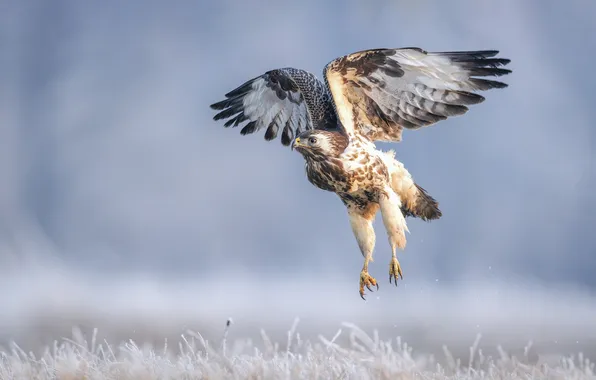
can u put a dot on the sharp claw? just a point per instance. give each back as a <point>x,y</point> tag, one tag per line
<point>367,281</point>
<point>395,272</point>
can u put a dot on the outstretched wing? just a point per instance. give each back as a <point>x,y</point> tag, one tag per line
<point>287,99</point>
<point>379,92</point>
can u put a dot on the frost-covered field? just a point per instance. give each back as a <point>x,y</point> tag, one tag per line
<point>362,357</point>
<point>57,323</point>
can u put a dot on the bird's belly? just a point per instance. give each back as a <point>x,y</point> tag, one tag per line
<point>368,177</point>
<point>360,199</point>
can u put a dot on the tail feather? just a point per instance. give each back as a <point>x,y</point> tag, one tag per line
<point>421,205</point>
<point>416,202</point>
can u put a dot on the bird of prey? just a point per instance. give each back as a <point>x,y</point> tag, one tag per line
<point>366,96</point>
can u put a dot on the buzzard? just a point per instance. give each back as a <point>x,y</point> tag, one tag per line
<point>366,96</point>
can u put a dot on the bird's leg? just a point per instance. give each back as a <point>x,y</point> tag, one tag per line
<point>394,268</point>
<point>395,223</point>
<point>361,222</point>
<point>366,279</point>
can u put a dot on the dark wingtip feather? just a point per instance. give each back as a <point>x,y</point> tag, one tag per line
<point>494,62</point>
<point>240,118</point>
<point>219,105</point>
<point>287,135</point>
<point>484,63</point>
<point>271,132</point>
<point>489,71</point>
<point>455,110</point>
<point>480,62</point>
<point>485,84</point>
<point>469,98</point>
<point>463,55</point>
<point>285,141</point>
<point>249,128</point>
<point>226,113</point>
<point>241,90</point>
<point>236,120</point>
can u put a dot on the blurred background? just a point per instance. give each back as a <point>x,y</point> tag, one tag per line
<point>124,206</point>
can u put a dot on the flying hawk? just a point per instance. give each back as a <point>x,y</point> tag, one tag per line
<point>366,96</point>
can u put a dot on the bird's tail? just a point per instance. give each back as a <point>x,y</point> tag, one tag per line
<point>421,205</point>
<point>415,200</point>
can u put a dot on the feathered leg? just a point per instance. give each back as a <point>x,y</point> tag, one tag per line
<point>395,223</point>
<point>361,222</point>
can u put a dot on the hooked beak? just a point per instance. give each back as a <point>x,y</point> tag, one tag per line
<point>295,143</point>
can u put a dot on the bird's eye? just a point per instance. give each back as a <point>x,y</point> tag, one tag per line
<point>312,140</point>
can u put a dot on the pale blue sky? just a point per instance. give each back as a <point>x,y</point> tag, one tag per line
<point>109,154</point>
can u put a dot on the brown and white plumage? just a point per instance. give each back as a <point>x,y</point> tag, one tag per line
<point>388,90</point>
<point>367,96</point>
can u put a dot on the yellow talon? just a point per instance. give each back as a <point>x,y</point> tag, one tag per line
<point>395,270</point>
<point>367,280</point>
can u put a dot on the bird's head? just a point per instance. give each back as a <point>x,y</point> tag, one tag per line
<point>318,143</point>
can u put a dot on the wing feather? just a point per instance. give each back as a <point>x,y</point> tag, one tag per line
<point>378,92</point>
<point>287,99</point>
